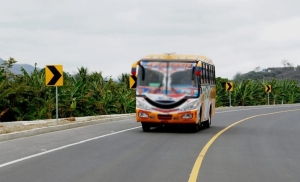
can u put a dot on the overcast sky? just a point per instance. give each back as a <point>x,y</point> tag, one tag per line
<point>108,36</point>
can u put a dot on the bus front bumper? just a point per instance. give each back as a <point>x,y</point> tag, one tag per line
<point>185,117</point>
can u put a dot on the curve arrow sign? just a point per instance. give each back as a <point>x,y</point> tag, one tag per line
<point>268,88</point>
<point>229,86</point>
<point>56,75</point>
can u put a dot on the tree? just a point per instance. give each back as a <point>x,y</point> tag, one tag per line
<point>257,69</point>
<point>286,63</point>
<point>238,76</point>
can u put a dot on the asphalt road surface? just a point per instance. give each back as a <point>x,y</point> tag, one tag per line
<point>255,144</point>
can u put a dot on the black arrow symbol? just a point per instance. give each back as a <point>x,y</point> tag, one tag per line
<point>229,86</point>
<point>268,88</point>
<point>134,78</point>
<point>56,74</point>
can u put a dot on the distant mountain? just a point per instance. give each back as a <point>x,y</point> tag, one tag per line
<point>292,73</point>
<point>16,69</point>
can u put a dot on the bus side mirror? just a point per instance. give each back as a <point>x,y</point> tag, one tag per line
<point>133,72</point>
<point>198,71</point>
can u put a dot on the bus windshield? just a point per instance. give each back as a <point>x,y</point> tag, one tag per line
<point>167,78</point>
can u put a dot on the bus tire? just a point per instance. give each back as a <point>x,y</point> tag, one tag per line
<point>200,120</point>
<point>198,126</point>
<point>146,127</point>
<point>207,123</point>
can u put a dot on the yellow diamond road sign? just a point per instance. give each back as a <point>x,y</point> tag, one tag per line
<point>268,88</point>
<point>54,75</point>
<point>229,86</point>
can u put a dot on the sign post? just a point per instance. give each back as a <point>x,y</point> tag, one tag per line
<point>268,89</point>
<point>54,77</point>
<point>229,99</point>
<point>229,88</point>
<point>56,103</point>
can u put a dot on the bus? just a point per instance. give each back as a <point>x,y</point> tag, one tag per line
<point>174,89</point>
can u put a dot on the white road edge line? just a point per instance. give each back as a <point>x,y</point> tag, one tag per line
<point>255,108</point>
<point>76,128</point>
<point>63,147</point>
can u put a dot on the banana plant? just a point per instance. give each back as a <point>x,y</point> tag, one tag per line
<point>26,97</point>
<point>245,93</point>
<point>222,96</point>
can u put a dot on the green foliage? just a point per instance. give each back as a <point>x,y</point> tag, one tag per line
<point>222,96</point>
<point>251,92</point>
<point>25,96</point>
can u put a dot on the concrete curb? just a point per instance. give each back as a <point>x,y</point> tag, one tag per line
<point>77,124</point>
<point>77,119</point>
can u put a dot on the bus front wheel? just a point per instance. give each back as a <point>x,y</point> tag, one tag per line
<point>198,126</point>
<point>146,127</point>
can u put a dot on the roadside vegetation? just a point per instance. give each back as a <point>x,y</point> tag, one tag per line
<point>26,97</point>
<point>251,92</point>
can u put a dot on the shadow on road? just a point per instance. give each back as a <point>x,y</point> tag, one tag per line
<point>183,129</point>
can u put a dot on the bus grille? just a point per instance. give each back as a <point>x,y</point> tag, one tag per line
<point>164,117</point>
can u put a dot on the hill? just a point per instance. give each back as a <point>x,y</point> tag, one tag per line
<point>291,73</point>
<point>16,69</point>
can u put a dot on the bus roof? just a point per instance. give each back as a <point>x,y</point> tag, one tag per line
<point>179,57</point>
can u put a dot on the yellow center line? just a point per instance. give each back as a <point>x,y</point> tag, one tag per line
<point>197,165</point>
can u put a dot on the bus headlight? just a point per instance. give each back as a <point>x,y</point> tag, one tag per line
<point>191,106</point>
<point>141,105</point>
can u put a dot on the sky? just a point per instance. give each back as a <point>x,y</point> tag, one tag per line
<point>108,36</point>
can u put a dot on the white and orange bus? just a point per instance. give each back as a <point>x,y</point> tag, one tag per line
<point>174,89</point>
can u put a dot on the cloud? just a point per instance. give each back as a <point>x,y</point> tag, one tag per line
<point>286,31</point>
<point>129,16</point>
<point>110,35</point>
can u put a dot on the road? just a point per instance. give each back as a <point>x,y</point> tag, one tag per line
<point>262,148</point>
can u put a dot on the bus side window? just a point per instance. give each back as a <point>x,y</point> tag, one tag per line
<point>209,74</point>
<point>206,75</point>
<point>213,74</point>
<point>204,72</point>
<point>199,79</point>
